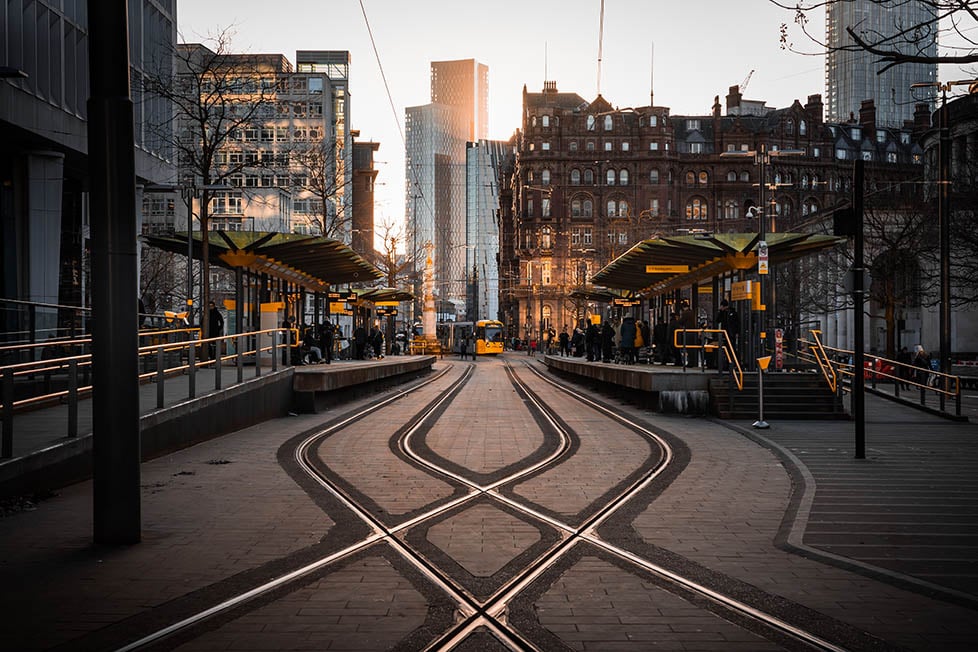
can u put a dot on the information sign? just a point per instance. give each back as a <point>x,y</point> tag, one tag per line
<point>762,261</point>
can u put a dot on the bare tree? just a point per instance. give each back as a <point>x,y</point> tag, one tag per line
<point>952,22</point>
<point>217,96</point>
<point>319,179</point>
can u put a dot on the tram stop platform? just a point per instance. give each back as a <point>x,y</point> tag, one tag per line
<point>46,456</point>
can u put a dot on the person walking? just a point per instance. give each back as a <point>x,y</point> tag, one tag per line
<point>215,326</point>
<point>627,333</point>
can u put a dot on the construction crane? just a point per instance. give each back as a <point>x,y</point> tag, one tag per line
<point>743,84</point>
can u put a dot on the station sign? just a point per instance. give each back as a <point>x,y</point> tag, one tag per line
<point>383,311</point>
<point>741,290</point>
<point>666,269</point>
<point>762,257</point>
<point>625,302</point>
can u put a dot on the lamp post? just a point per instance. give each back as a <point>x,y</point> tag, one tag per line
<point>944,217</point>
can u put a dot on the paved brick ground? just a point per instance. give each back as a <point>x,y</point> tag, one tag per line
<point>787,520</point>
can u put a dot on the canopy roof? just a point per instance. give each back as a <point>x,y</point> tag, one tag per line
<point>668,263</point>
<point>599,294</point>
<point>311,261</point>
<point>384,294</point>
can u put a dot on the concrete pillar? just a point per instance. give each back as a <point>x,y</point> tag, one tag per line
<point>45,171</point>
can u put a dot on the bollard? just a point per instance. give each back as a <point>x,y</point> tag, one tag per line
<point>762,364</point>
<point>217,364</point>
<point>192,371</point>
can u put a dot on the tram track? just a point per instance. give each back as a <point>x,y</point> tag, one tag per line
<point>490,612</point>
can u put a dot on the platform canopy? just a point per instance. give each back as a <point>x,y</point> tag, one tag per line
<point>384,294</point>
<point>667,263</point>
<point>311,261</point>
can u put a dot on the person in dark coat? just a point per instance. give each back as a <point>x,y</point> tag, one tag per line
<point>564,340</point>
<point>905,371</point>
<point>592,342</point>
<point>727,320</point>
<point>627,342</point>
<point>215,326</point>
<point>326,340</point>
<point>607,341</point>
<point>359,342</point>
<point>687,320</point>
<point>672,352</point>
<point>577,342</point>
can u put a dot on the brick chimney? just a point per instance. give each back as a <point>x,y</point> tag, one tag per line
<point>733,100</point>
<point>921,120</point>
<point>815,108</point>
<point>867,116</point>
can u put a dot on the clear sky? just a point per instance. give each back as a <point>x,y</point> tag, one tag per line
<point>701,47</point>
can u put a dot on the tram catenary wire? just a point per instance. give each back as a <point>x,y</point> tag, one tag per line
<point>489,612</point>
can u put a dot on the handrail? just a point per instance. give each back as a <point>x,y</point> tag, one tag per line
<point>822,359</point>
<point>735,369</point>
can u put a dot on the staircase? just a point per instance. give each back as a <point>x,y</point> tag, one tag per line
<point>786,396</point>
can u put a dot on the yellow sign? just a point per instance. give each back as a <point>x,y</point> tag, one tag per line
<point>764,362</point>
<point>666,269</point>
<point>755,300</point>
<point>338,308</point>
<point>740,290</point>
<point>393,304</point>
<point>704,289</point>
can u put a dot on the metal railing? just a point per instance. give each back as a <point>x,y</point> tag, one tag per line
<point>706,342</point>
<point>66,379</point>
<point>837,365</point>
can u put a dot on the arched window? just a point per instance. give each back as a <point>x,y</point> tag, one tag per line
<point>588,208</point>
<point>607,123</point>
<point>611,208</point>
<point>545,177</point>
<point>611,177</point>
<point>589,146</point>
<point>533,121</point>
<point>690,178</point>
<point>809,206</point>
<point>731,210</point>
<point>573,146</point>
<point>623,177</point>
<point>745,176</point>
<point>545,120</point>
<point>696,209</point>
<point>590,123</point>
<point>704,178</point>
<point>804,181</point>
<point>575,208</point>
<point>623,208</point>
<point>588,178</point>
<point>789,127</point>
<point>802,128</point>
<point>546,238</point>
<point>575,177</point>
<point>731,176</point>
<point>653,176</point>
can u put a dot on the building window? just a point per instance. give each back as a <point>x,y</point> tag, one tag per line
<point>623,237</point>
<point>891,157</point>
<point>802,128</point>
<point>654,146</point>
<point>867,156</point>
<point>573,146</point>
<point>588,178</point>
<point>546,238</point>
<point>611,208</point>
<point>575,208</point>
<point>546,146</point>
<point>545,121</point>
<point>690,178</point>
<point>607,123</point>
<point>529,208</point>
<point>545,206</point>
<point>653,176</point>
<point>840,154</point>
<point>653,120</point>
<point>545,177</point>
<point>696,209</point>
<point>588,208</point>
<point>880,135</point>
<point>789,127</point>
<point>533,121</point>
<point>692,125</point>
<point>576,235</point>
<point>816,152</point>
<point>610,179</point>
<point>575,178</point>
<point>624,146</point>
<point>587,235</point>
<point>696,148</point>
<point>545,275</point>
<point>731,210</point>
<point>703,178</point>
<point>654,208</point>
<point>623,177</point>
<point>607,146</point>
<point>590,123</point>
<point>589,146</point>
<point>731,176</point>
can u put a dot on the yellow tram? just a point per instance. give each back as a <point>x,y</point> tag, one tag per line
<point>488,335</point>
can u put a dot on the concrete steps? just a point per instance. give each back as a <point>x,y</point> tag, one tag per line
<point>786,396</point>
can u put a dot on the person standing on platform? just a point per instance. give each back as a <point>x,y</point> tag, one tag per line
<point>359,342</point>
<point>687,320</point>
<point>564,340</point>
<point>727,320</point>
<point>215,326</point>
<point>326,340</point>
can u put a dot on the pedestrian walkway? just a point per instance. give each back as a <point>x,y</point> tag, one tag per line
<point>886,545</point>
